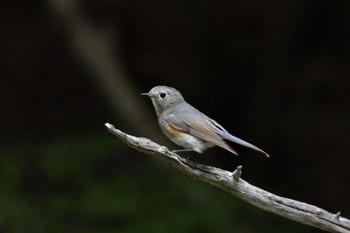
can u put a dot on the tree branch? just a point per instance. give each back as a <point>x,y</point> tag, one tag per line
<point>232,183</point>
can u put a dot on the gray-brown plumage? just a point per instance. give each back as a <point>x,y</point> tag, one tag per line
<point>187,126</point>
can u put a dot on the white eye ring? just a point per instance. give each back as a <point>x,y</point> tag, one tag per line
<point>162,95</point>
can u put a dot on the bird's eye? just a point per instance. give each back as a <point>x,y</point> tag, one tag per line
<point>162,95</point>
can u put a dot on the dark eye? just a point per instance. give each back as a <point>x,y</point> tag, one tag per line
<point>162,95</point>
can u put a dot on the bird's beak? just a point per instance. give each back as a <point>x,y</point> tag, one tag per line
<point>146,94</point>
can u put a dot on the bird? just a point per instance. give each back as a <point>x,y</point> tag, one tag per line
<point>188,127</point>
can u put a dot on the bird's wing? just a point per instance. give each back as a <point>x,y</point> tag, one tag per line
<point>205,130</point>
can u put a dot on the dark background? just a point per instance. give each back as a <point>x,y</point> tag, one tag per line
<point>273,73</point>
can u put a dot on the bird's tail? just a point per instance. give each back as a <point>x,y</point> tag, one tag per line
<point>241,142</point>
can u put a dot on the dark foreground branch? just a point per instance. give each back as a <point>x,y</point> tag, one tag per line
<point>232,183</point>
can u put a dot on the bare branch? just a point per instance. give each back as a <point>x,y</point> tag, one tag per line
<point>232,183</point>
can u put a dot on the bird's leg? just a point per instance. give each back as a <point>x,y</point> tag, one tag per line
<point>182,150</point>
<point>194,163</point>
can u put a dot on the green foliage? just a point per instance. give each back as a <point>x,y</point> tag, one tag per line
<point>90,185</point>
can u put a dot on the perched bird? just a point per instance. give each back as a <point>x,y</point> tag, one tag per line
<point>187,126</point>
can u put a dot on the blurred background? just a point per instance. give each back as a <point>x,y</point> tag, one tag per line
<point>273,73</point>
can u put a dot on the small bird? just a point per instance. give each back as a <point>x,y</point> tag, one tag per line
<point>187,126</point>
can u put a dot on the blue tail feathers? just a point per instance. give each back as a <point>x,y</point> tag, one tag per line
<point>228,136</point>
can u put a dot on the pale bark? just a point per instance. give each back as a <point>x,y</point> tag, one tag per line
<point>234,184</point>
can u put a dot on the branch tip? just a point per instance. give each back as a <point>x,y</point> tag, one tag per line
<point>109,126</point>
